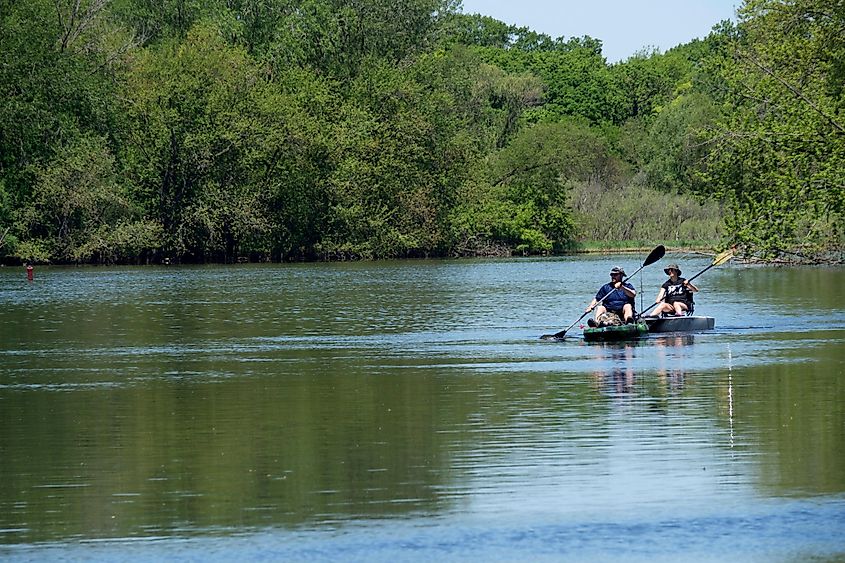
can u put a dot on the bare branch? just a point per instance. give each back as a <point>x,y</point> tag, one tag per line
<point>77,22</point>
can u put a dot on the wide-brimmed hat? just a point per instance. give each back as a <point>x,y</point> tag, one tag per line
<point>617,270</point>
<point>672,267</point>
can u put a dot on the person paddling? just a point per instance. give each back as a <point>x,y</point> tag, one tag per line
<point>618,298</point>
<point>675,296</point>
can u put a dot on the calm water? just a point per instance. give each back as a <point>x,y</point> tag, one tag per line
<point>408,411</point>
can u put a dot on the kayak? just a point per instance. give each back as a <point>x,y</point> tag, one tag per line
<point>679,324</point>
<point>617,332</point>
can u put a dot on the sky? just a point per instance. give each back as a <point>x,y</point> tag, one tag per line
<point>624,26</point>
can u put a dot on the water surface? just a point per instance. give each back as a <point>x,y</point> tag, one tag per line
<point>408,410</point>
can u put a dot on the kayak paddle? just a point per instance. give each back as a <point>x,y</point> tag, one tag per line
<point>718,260</point>
<point>653,257</point>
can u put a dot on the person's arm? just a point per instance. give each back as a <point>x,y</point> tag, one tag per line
<point>691,287</point>
<point>660,295</point>
<point>599,294</point>
<point>626,289</point>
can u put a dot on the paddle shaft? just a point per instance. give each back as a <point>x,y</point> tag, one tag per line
<point>717,261</point>
<point>600,301</point>
<point>653,305</point>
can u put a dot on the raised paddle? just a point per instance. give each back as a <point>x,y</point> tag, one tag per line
<point>653,257</point>
<point>718,260</point>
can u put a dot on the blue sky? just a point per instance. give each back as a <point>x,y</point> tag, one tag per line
<point>624,26</point>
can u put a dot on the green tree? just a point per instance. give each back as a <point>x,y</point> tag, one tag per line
<point>667,148</point>
<point>645,81</point>
<point>527,205</point>
<point>213,148</point>
<point>156,20</point>
<point>336,37</point>
<point>79,212</point>
<point>402,153</point>
<point>577,81</point>
<point>777,160</point>
<point>478,30</point>
<point>56,94</point>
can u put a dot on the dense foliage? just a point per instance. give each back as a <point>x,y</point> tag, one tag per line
<point>778,154</point>
<point>136,131</point>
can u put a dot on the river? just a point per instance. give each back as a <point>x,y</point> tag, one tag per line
<point>384,411</point>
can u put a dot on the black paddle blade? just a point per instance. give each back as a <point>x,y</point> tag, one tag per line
<point>556,337</point>
<point>559,335</point>
<point>655,255</point>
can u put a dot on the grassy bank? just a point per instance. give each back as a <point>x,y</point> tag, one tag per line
<point>637,217</point>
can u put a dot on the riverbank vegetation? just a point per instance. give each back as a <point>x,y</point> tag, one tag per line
<point>134,132</point>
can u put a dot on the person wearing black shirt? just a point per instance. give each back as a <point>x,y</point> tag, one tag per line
<point>675,296</point>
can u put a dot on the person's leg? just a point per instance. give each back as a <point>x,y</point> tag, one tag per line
<point>680,308</point>
<point>627,313</point>
<point>660,309</point>
<point>600,310</point>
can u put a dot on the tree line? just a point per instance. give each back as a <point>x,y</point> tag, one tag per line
<point>134,131</point>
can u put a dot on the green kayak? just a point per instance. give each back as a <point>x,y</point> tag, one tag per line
<point>620,332</point>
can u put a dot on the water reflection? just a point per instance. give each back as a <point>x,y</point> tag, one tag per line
<point>666,355</point>
<point>620,378</point>
<point>211,401</point>
<point>730,396</point>
<point>673,352</point>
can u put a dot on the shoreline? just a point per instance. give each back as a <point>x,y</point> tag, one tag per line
<point>787,258</point>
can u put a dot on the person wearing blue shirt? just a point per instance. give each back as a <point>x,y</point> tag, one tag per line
<point>618,298</point>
